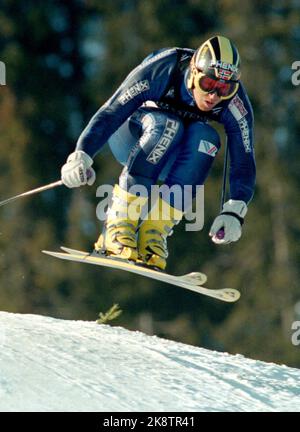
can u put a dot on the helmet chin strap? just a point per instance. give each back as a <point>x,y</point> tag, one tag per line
<point>190,81</point>
<point>192,73</point>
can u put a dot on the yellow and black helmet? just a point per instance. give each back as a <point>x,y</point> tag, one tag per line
<point>218,59</point>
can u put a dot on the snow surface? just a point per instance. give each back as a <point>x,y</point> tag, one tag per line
<point>48,364</point>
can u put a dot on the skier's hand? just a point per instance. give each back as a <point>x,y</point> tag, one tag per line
<point>227,227</point>
<point>78,171</point>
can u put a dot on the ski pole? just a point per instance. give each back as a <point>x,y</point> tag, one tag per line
<point>31,192</point>
<point>223,197</point>
<point>220,234</point>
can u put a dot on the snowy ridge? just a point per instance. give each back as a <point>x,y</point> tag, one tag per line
<point>48,364</point>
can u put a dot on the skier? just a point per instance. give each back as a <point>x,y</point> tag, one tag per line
<point>156,124</point>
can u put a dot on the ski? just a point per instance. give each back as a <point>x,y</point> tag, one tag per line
<point>194,278</point>
<point>224,294</point>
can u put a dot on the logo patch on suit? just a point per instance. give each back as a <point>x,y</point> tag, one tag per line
<point>134,91</point>
<point>239,112</point>
<point>208,148</point>
<point>164,142</point>
<point>237,108</point>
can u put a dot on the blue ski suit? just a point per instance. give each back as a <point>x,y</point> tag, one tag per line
<point>155,129</point>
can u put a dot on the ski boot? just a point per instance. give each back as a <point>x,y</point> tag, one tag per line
<point>153,233</point>
<point>118,238</point>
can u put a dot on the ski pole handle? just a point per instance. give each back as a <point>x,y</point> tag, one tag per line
<point>220,234</point>
<point>31,192</point>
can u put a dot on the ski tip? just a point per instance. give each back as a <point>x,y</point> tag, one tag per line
<point>48,252</point>
<point>230,295</point>
<point>54,254</point>
<point>194,278</point>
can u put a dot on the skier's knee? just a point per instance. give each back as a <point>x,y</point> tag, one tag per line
<point>206,133</point>
<point>167,128</point>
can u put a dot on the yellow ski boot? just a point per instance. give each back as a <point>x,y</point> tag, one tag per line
<point>153,233</point>
<point>119,233</point>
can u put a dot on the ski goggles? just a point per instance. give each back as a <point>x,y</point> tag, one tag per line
<point>224,89</point>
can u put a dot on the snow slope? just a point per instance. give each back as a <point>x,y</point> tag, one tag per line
<point>48,364</point>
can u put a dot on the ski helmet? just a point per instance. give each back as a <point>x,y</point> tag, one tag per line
<point>215,67</point>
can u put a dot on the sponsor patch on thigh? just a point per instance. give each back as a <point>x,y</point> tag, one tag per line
<point>164,142</point>
<point>208,148</point>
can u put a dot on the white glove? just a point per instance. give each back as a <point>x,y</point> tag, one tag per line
<point>227,227</point>
<point>77,170</point>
